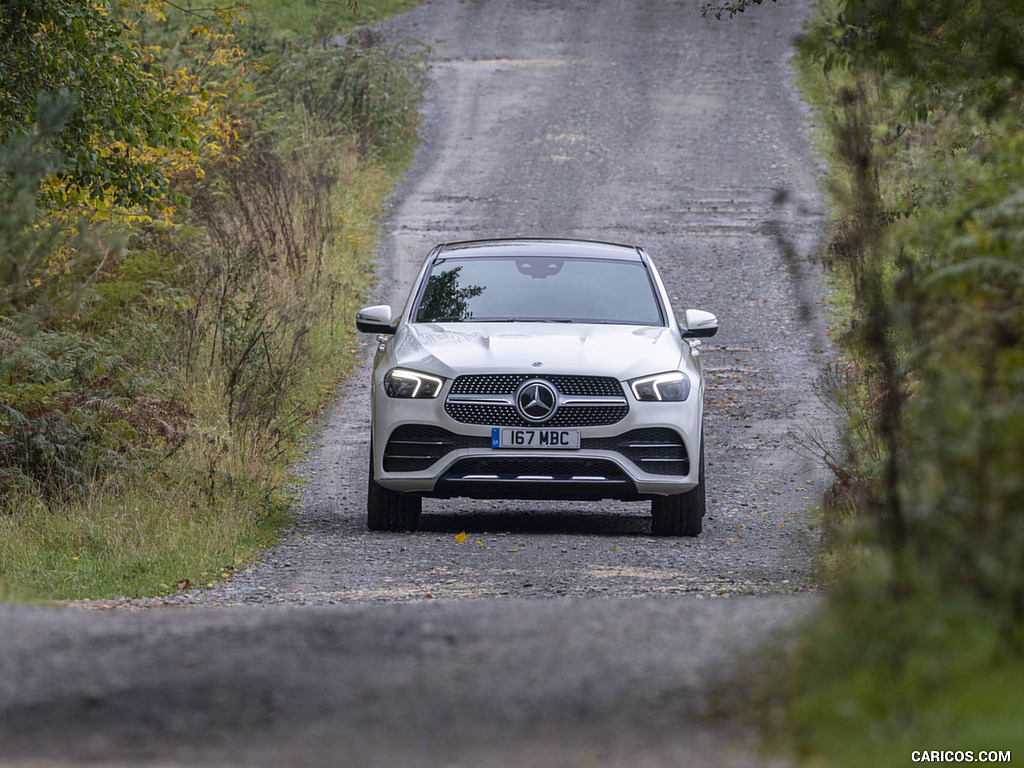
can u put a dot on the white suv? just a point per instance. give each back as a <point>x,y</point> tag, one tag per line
<point>537,369</point>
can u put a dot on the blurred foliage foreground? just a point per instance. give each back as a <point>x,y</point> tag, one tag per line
<point>187,215</point>
<point>920,105</point>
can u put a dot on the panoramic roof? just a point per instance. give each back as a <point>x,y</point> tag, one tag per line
<point>553,247</point>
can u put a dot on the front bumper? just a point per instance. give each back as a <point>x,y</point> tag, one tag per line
<point>419,448</point>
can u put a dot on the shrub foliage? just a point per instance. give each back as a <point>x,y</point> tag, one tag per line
<point>929,196</point>
<point>175,255</point>
<point>921,104</point>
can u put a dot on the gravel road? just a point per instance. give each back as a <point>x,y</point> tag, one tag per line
<point>556,634</point>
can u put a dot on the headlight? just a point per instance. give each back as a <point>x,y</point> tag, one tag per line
<point>673,387</point>
<point>399,382</point>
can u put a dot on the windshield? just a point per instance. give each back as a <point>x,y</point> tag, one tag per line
<point>538,289</point>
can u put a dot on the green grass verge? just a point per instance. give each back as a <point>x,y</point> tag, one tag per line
<point>157,537</point>
<point>877,715</point>
<point>290,18</point>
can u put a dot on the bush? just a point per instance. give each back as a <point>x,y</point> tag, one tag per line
<point>158,376</point>
<point>366,86</point>
<point>75,411</point>
<point>926,539</point>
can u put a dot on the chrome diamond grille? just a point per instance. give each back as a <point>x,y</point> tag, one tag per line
<point>465,389</point>
<point>506,384</point>
<point>587,385</point>
<point>506,416</point>
<point>490,384</point>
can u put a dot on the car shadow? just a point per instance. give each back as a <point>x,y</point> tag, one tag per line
<point>595,524</point>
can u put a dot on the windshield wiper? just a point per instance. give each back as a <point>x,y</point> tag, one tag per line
<point>526,320</point>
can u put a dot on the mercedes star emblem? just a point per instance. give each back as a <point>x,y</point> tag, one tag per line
<point>536,400</point>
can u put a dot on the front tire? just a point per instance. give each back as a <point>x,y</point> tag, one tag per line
<point>683,513</point>
<point>388,510</point>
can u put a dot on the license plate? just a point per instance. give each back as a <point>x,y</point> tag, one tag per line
<point>503,437</point>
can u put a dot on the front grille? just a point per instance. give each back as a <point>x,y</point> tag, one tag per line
<point>507,416</point>
<point>414,447</point>
<point>657,450</point>
<point>587,385</point>
<point>506,384</point>
<point>488,384</point>
<point>504,414</point>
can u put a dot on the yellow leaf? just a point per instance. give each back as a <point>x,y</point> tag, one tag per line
<point>461,537</point>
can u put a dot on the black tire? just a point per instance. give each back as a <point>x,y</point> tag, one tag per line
<point>682,514</point>
<point>388,510</point>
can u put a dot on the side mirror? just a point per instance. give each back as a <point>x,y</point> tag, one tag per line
<point>376,319</point>
<point>698,324</point>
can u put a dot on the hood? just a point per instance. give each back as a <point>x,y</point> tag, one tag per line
<point>623,352</point>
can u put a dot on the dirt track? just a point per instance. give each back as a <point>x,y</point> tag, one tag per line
<point>621,121</point>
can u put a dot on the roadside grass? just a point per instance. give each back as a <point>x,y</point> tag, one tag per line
<point>874,697</point>
<point>332,331</point>
<point>979,713</point>
<point>289,18</point>
<point>242,321</point>
<point>160,535</point>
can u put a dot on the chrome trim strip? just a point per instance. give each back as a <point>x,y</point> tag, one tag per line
<point>585,400</point>
<point>595,400</point>
<point>508,400</point>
